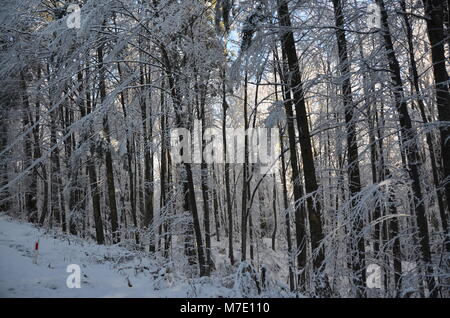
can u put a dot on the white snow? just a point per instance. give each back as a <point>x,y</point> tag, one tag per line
<point>105,270</point>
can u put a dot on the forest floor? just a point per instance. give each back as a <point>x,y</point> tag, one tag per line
<point>106,271</point>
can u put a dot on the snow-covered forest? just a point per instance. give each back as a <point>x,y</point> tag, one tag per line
<point>355,201</point>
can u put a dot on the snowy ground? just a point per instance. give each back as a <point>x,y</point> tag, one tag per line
<point>105,271</point>
<point>115,271</point>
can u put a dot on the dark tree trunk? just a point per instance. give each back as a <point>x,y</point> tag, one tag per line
<point>434,11</point>
<point>274,208</point>
<point>55,170</point>
<point>4,117</point>
<point>201,96</point>
<point>296,85</point>
<point>108,155</point>
<point>287,221</point>
<point>188,184</point>
<point>354,180</point>
<point>30,194</point>
<point>164,174</point>
<point>227,172</point>
<point>409,142</point>
<point>92,172</point>
<point>73,165</point>
<point>245,212</point>
<point>216,205</point>
<point>429,137</point>
<point>129,165</point>
<point>299,207</point>
<point>148,165</point>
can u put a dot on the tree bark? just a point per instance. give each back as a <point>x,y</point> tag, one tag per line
<point>311,186</point>
<point>429,137</point>
<point>227,171</point>
<point>108,155</point>
<point>408,137</point>
<point>354,180</point>
<point>434,11</point>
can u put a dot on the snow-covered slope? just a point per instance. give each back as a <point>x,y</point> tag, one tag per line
<point>105,271</point>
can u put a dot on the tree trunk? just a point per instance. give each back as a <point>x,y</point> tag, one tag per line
<point>216,205</point>
<point>295,84</point>
<point>108,155</point>
<point>188,184</point>
<point>299,207</point>
<point>354,180</point>
<point>274,208</point>
<point>148,165</point>
<point>227,172</point>
<point>205,179</point>
<point>434,11</point>
<point>92,172</point>
<point>429,137</point>
<point>408,138</point>
<point>129,165</point>
<point>245,212</point>
<point>30,194</point>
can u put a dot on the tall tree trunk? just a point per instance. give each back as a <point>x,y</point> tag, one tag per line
<point>4,127</point>
<point>296,85</point>
<point>392,225</point>
<point>31,188</point>
<point>201,96</point>
<point>274,208</point>
<point>129,165</point>
<point>245,212</point>
<point>227,170</point>
<point>188,184</point>
<point>287,221</point>
<point>108,155</point>
<point>55,172</point>
<point>72,166</point>
<point>354,180</point>
<point>299,207</point>
<point>216,205</point>
<point>429,137</point>
<point>164,173</point>
<point>409,141</point>
<point>148,164</point>
<point>434,11</point>
<point>92,172</point>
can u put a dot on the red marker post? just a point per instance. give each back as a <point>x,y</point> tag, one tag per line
<point>36,252</point>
